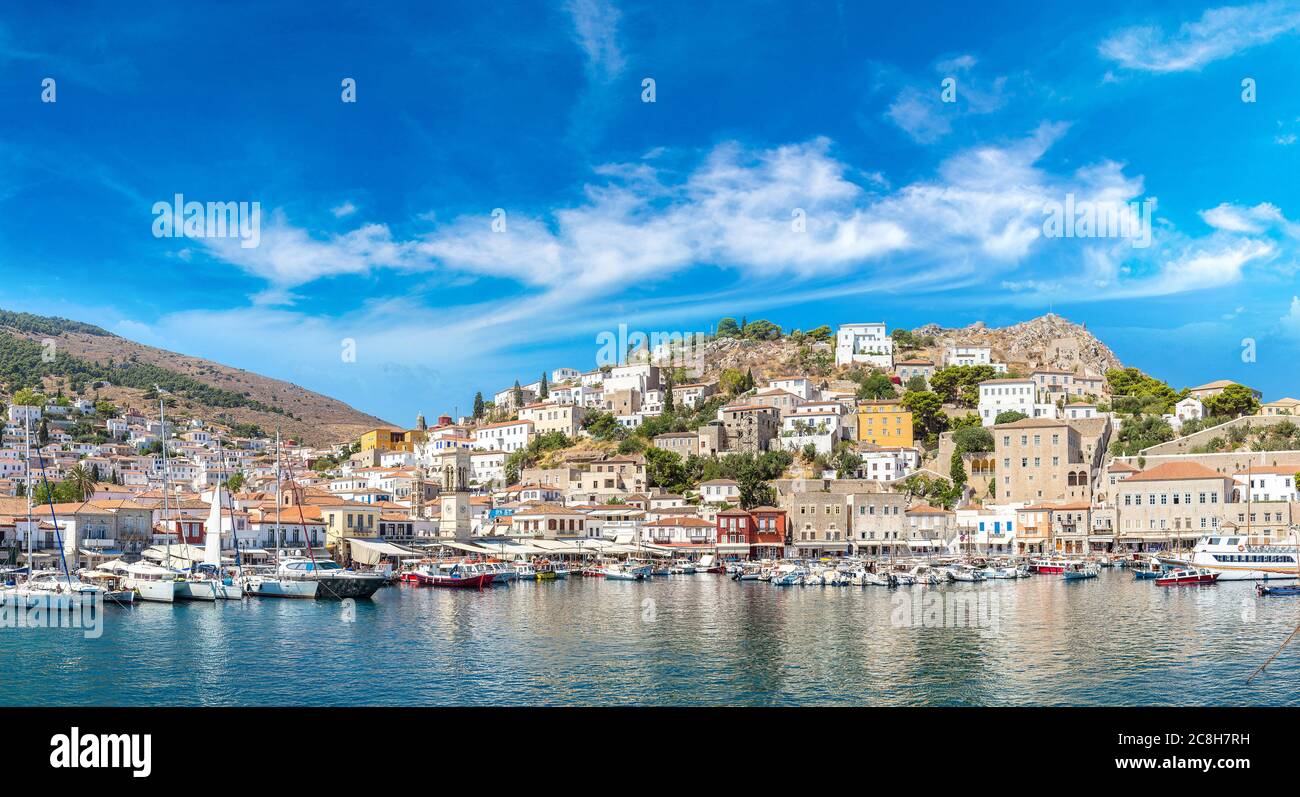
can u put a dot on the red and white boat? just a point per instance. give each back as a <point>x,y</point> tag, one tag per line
<point>1048,565</point>
<point>454,575</point>
<point>1187,575</point>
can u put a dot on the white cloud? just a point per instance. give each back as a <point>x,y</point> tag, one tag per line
<point>595,24</point>
<point>1254,220</point>
<point>1291,321</point>
<point>1219,33</point>
<point>920,111</point>
<point>346,209</point>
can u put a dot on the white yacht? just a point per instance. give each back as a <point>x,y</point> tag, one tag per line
<point>300,577</point>
<point>1239,557</point>
<point>151,582</point>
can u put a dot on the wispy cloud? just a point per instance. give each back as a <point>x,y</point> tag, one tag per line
<point>920,111</point>
<point>1219,33</point>
<point>595,25</point>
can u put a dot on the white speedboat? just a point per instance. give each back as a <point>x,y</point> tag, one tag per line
<point>682,568</point>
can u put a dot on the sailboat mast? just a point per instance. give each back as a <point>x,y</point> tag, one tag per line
<point>279,531</point>
<point>27,467</point>
<point>162,433</point>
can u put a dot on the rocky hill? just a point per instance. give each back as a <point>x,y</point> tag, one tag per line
<point>1048,341</point>
<point>87,361</point>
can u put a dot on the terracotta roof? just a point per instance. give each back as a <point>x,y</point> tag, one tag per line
<point>925,509</point>
<point>1174,471</point>
<point>1122,467</point>
<point>682,521</point>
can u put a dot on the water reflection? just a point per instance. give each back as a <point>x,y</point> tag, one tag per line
<point>682,640</point>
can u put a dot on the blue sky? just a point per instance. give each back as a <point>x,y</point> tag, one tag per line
<point>377,215</point>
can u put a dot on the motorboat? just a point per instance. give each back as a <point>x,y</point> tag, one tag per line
<point>682,567</point>
<point>788,575</point>
<point>302,577</point>
<point>622,572</point>
<point>1245,558</point>
<point>1080,570</point>
<point>524,571</point>
<point>1277,589</point>
<point>966,573</point>
<point>1184,576</point>
<point>1049,565</point>
<point>1147,569</point>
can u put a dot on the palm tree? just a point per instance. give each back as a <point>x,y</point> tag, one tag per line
<point>83,481</point>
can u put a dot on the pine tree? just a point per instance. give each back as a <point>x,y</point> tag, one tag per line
<point>518,395</point>
<point>749,379</point>
<point>668,393</point>
<point>478,406</point>
<point>545,389</point>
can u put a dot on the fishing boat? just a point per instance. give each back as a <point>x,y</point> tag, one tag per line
<point>1184,576</point>
<point>682,567</point>
<point>524,571</point>
<point>924,574</point>
<point>544,571</point>
<point>747,573</point>
<point>622,572</point>
<point>709,564</point>
<point>967,573</point>
<point>1146,569</point>
<point>1277,589</point>
<point>325,579</point>
<point>1081,570</point>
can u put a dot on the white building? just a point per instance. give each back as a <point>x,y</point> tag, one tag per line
<point>868,344</point>
<point>801,386</point>
<point>504,436</point>
<point>633,376</point>
<point>487,468</point>
<point>1011,395</point>
<point>720,491</point>
<point>1266,483</point>
<point>988,529</point>
<point>822,429</point>
<point>1079,412</point>
<point>888,463</point>
<point>565,374</point>
<point>1189,409</point>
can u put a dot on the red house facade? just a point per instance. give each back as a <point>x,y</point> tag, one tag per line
<point>757,533</point>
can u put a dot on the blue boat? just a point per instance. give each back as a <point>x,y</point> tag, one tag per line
<point>1148,569</point>
<point>1281,589</point>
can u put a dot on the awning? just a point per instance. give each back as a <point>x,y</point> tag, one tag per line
<point>369,551</point>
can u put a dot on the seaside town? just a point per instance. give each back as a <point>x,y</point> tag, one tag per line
<point>893,459</point>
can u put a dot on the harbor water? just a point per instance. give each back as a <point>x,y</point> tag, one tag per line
<point>680,640</point>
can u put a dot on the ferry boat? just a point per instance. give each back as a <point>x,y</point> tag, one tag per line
<point>1187,575</point>
<point>1243,558</point>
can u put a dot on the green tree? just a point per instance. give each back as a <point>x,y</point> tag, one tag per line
<point>762,330</point>
<point>957,470</point>
<point>478,406</point>
<point>517,395</point>
<point>668,392</point>
<point>821,334</point>
<point>732,382</point>
<point>1139,433</point>
<point>1233,401</point>
<point>235,482</point>
<point>969,439</point>
<point>1009,416</point>
<point>665,469</point>
<point>545,389</point>
<point>728,328</point>
<point>876,387</point>
<point>928,418</point>
<point>82,482</point>
<point>917,384</point>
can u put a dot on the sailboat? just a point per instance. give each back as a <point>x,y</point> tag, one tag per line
<point>205,581</point>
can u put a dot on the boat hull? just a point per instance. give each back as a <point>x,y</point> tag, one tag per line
<point>209,590</point>
<point>155,591</point>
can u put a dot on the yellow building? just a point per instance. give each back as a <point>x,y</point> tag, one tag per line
<point>349,519</point>
<point>392,439</point>
<point>884,423</point>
